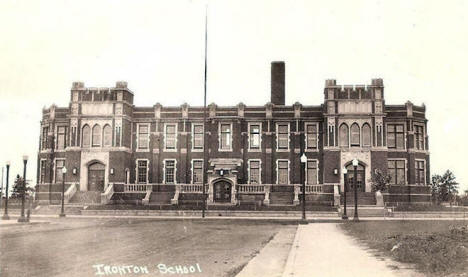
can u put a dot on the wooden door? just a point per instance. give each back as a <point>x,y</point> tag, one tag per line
<point>222,191</point>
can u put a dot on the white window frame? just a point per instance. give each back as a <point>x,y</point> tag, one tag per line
<point>193,137</point>
<point>138,146</point>
<point>40,170</point>
<point>175,137</point>
<point>416,169</point>
<point>175,171</point>
<point>307,149</point>
<point>192,170</point>
<point>147,170</point>
<point>259,170</point>
<point>404,135</point>
<point>362,135</point>
<point>423,136</point>
<point>277,136</point>
<point>64,138</point>
<point>259,149</point>
<point>277,170</point>
<point>406,168</point>
<point>230,139</point>
<point>55,167</point>
<point>305,170</point>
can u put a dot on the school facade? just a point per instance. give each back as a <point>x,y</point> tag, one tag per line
<point>116,152</point>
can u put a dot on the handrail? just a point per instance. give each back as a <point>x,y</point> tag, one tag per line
<point>69,193</point>
<point>251,188</point>
<point>107,194</point>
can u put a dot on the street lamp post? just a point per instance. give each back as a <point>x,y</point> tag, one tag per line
<point>355,165</point>
<point>345,175</point>
<point>64,171</point>
<point>5,215</point>
<point>303,166</point>
<point>22,217</point>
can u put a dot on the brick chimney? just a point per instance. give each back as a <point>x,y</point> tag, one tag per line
<point>277,83</point>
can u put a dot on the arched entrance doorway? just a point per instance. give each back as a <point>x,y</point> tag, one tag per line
<point>96,173</point>
<point>360,180</point>
<point>222,191</point>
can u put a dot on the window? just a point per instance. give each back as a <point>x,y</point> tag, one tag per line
<point>96,139</point>
<point>355,135</point>
<point>254,172</point>
<point>311,172</point>
<point>420,173</point>
<point>344,135</point>
<point>254,136</point>
<point>311,136</point>
<point>73,136</point>
<point>169,172</point>
<point>419,136</point>
<point>396,170</point>
<point>395,136</point>
<point>107,131</point>
<point>85,137</point>
<point>61,137</point>
<point>45,134</point>
<point>197,136</point>
<point>59,164</point>
<point>366,135</point>
<point>43,172</point>
<point>283,136</point>
<point>283,172</point>
<point>197,171</point>
<point>170,136</point>
<point>225,143</point>
<point>142,171</point>
<point>117,136</point>
<point>143,136</point>
<point>331,135</point>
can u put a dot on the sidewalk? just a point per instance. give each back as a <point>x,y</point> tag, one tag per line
<point>323,250</point>
<point>272,258</point>
<point>14,221</point>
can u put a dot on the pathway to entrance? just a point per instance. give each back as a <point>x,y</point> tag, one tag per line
<point>323,250</point>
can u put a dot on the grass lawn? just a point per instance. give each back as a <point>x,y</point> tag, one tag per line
<point>437,248</point>
<point>71,247</point>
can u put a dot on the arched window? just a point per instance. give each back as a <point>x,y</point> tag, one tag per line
<point>96,138</point>
<point>85,136</point>
<point>344,135</point>
<point>355,135</point>
<point>366,135</point>
<point>107,134</point>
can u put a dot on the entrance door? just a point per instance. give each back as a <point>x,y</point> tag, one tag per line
<point>96,177</point>
<point>360,181</point>
<point>222,191</point>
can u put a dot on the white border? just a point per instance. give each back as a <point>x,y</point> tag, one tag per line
<point>277,173</point>
<point>259,149</point>
<point>230,137</point>
<point>192,169</point>
<point>259,171</point>
<point>147,170</point>
<point>277,137</point>
<point>175,171</point>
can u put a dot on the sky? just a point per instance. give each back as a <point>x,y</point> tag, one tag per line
<point>417,47</point>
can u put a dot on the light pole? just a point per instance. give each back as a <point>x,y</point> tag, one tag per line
<point>5,215</point>
<point>355,165</point>
<point>64,171</point>
<point>345,189</point>
<point>22,218</point>
<point>303,164</point>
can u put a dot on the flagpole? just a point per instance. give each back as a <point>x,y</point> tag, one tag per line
<point>205,162</point>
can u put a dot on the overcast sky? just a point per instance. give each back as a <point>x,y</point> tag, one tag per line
<point>419,48</point>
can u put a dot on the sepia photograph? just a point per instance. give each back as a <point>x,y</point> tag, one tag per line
<point>276,138</point>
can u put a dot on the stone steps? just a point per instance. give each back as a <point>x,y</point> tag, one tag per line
<point>86,197</point>
<point>161,197</point>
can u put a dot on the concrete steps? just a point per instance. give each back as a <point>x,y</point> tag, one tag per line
<point>161,197</point>
<point>281,198</point>
<point>86,197</point>
<point>364,198</point>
